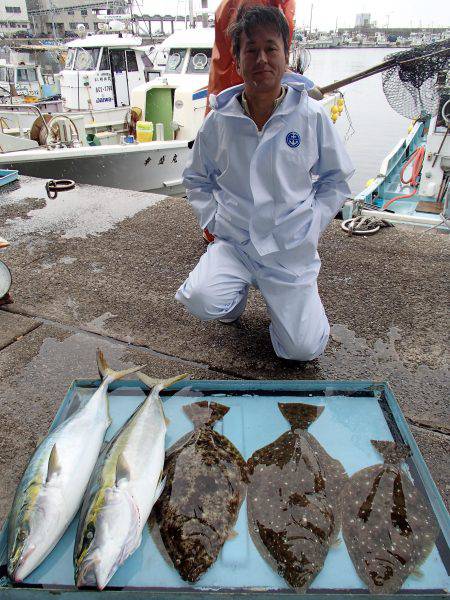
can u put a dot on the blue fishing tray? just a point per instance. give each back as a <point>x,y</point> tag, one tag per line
<point>355,413</point>
<point>8,175</point>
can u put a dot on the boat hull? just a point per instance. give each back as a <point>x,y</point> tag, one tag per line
<point>152,167</point>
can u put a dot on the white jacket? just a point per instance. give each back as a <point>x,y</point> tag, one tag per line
<point>278,188</point>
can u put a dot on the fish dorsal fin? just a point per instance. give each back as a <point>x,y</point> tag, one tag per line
<point>391,452</point>
<point>54,465</point>
<point>106,371</point>
<point>122,469</point>
<point>299,415</point>
<point>205,413</point>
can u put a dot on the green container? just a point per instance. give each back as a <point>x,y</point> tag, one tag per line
<point>159,109</point>
<point>92,139</point>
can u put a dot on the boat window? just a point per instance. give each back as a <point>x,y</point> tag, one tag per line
<point>70,58</point>
<point>104,63</point>
<point>32,75</point>
<point>22,75</point>
<point>10,73</point>
<point>86,59</point>
<point>175,60</point>
<point>132,61</point>
<point>2,74</point>
<point>199,60</point>
<point>118,63</point>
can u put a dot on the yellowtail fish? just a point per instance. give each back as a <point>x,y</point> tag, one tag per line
<point>124,486</point>
<point>53,484</point>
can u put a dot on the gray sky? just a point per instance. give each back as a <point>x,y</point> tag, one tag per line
<point>406,13</point>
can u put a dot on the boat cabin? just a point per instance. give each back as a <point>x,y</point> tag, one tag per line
<point>20,79</point>
<point>101,71</point>
<point>177,98</point>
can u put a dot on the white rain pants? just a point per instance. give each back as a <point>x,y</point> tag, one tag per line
<point>218,287</point>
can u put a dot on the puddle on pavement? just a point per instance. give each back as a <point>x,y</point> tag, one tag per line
<point>419,390</point>
<point>84,211</point>
<point>100,322</point>
<point>72,358</point>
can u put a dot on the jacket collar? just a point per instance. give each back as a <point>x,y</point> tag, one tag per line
<point>226,103</point>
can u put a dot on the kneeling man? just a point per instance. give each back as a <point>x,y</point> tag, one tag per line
<point>267,174</point>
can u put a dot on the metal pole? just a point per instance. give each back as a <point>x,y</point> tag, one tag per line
<point>205,13</point>
<point>310,19</point>
<point>191,13</point>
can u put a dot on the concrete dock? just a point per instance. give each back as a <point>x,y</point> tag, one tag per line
<point>99,267</point>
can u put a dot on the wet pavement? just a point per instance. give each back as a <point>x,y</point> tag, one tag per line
<point>99,267</point>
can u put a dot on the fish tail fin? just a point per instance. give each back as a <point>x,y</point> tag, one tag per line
<point>205,413</point>
<point>161,383</point>
<point>299,415</point>
<point>106,371</point>
<point>390,451</point>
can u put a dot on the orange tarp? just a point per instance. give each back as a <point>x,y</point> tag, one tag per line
<point>223,73</point>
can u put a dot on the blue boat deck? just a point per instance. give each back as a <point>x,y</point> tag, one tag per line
<point>387,185</point>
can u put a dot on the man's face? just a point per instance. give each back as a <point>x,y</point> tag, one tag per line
<point>262,60</point>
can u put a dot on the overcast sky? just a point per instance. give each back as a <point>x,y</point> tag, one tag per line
<point>406,13</point>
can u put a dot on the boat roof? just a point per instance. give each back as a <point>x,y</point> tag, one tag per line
<point>21,65</point>
<point>109,40</point>
<point>190,38</point>
<point>41,48</point>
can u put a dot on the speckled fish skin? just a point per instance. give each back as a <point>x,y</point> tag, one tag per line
<point>387,526</point>
<point>294,499</point>
<point>205,486</point>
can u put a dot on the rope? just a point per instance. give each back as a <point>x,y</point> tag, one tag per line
<point>417,159</point>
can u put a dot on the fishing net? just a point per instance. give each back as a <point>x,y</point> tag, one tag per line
<point>410,86</point>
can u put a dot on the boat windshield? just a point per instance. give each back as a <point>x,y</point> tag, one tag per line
<point>82,59</point>
<point>2,73</point>
<point>175,60</point>
<point>199,60</point>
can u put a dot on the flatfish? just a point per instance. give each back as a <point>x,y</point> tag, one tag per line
<point>387,527</point>
<point>205,486</point>
<point>294,499</point>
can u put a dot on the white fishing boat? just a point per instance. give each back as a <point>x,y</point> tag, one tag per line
<point>24,80</point>
<point>71,147</point>
<point>99,75</point>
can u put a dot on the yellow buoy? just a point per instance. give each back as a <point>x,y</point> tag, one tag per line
<point>340,102</point>
<point>334,109</point>
<point>369,182</point>
<point>410,128</point>
<point>334,117</point>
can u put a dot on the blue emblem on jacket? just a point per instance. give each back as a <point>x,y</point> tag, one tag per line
<point>293,139</point>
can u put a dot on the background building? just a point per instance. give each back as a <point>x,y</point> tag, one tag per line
<point>13,17</point>
<point>58,18</point>
<point>362,20</point>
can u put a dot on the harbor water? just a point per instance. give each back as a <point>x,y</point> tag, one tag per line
<point>377,127</point>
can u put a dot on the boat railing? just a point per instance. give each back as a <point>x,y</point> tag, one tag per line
<point>34,108</point>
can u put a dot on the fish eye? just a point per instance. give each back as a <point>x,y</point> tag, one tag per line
<point>89,535</point>
<point>22,536</point>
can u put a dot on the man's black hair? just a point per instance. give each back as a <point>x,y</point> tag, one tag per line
<point>248,19</point>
